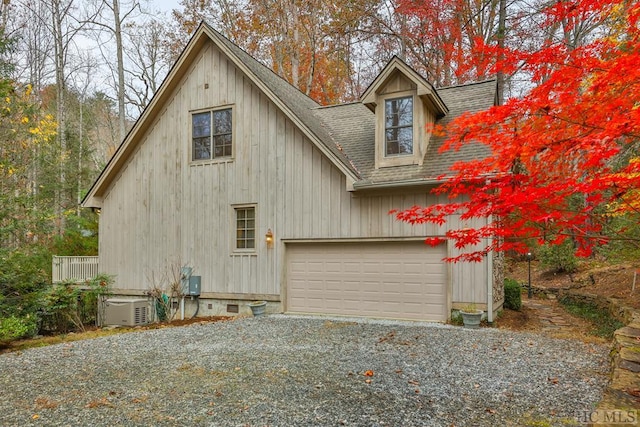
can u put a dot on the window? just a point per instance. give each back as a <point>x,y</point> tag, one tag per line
<point>212,134</point>
<point>398,126</point>
<point>246,228</point>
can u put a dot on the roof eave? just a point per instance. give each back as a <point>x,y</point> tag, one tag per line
<point>144,122</point>
<point>414,182</point>
<point>276,100</point>
<point>368,185</point>
<point>424,89</point>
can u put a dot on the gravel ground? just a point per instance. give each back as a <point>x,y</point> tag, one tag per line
<point>295,371</point>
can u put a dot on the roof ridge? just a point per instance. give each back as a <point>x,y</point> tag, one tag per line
<point>324,107</point>
<point>257,61</point>
<point>301,106</point>
<point>493,79</point>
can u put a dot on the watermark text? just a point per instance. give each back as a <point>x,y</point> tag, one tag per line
<point>608,416</point>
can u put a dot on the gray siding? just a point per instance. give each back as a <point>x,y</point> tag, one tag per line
<point>163,209</point>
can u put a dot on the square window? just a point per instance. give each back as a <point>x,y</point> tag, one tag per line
<point>212,134</point>
<point>245,228</point>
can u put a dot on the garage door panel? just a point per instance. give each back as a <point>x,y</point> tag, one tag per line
<point>390,279</point>
<point>332,285</point>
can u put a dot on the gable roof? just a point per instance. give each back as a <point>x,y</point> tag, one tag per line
<point>297,106</point>
<point>423,88</point>
<point>356,125</point>
<point>344,133</point>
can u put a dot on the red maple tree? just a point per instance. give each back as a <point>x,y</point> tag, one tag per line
<point>564,159</point>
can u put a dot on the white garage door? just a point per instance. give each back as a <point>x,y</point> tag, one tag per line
<point>383,279</point>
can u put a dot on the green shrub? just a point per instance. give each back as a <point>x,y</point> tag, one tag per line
<point>559,258</point>
<point>68,307</point>
<point>92,299</point>
<point>512,294</point>
<point>604,324</point>
<point>60,308</point>
<point>456,319</point>
<point>23,279</point>
<point>14,328</point>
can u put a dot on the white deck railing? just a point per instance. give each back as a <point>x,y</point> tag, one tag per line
<point>74,268</point>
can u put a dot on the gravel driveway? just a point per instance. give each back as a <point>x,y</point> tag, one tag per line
<point>293,371</point>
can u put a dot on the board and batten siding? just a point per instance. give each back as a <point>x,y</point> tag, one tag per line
<point>164,210</point>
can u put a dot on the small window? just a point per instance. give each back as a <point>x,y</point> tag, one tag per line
<point>212,134</point>
<point>398,126</point>
<point>246,228</point>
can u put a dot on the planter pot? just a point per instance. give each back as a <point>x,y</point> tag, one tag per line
<point>471,320</point>
<point>258,308</point>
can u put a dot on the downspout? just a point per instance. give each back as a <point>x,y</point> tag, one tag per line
<point>490,277</point>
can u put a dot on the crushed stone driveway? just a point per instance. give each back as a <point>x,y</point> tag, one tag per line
<point>282,370</point>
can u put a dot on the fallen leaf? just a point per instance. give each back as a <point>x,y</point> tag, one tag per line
<point>35,416</point>
<point>413,382</point>
<point>97,403</point>
<point>553,380</point>
<point>387,337</point>
<point>634,392</point>
<point>368,373</point>
<point>44,403</point>
<point>490,411</point>
<point>368,381</point>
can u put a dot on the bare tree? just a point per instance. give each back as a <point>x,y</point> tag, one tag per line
<point>148,62</point>
<point>110,17</point>
<point>82,84</point>
<point>63,26</point>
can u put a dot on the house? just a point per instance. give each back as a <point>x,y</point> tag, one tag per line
<point>267,195</point>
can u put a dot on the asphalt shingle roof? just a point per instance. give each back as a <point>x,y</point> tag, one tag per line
<point>298,103</point>
<point>348,130</point>
<point>354,126</point>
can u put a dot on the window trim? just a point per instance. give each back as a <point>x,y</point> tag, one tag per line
<point>235,250</point>
<point>383,161</point>
<point>211,110</point>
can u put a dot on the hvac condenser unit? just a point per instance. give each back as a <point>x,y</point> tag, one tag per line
<point>126,312</point>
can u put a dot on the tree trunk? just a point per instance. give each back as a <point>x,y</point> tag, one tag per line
<point>59,52</point>
<point>502,29</point>
<point>118,35</point>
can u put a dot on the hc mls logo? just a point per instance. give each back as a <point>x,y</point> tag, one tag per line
<point>608,416</point>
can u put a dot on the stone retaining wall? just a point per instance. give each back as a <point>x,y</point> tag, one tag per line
<point>614,306</point>
<point>623,392</point>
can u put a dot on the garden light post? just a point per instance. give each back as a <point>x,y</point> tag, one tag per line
<point>529,292</point>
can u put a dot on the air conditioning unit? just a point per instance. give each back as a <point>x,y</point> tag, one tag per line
<point>126,312</point>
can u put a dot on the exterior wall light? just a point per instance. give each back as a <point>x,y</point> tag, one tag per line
<point>269,238</point>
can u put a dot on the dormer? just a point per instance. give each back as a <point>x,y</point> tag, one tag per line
<point>406,107</point>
